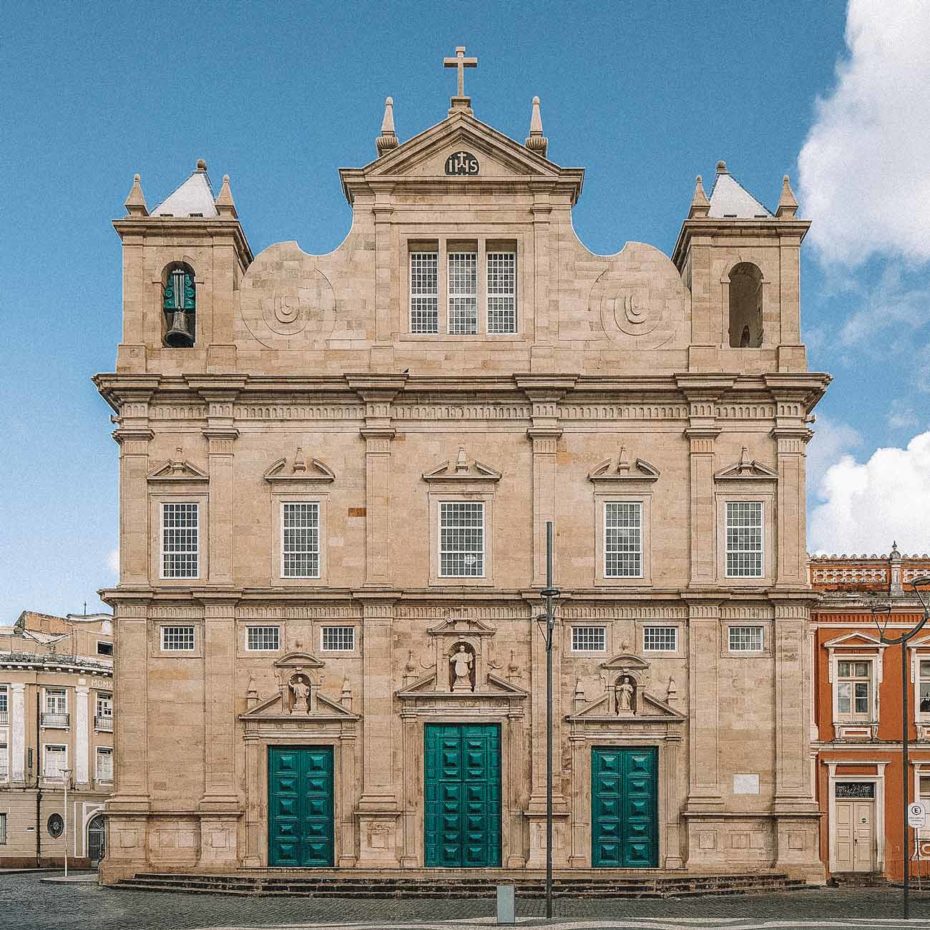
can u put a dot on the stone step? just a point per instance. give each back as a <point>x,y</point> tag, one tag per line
<point>450,886</point>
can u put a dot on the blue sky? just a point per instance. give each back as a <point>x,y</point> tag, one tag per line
<point>280,95</point>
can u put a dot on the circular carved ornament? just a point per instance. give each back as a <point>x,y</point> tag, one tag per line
<point>639,298</point>
<point>286,301</point>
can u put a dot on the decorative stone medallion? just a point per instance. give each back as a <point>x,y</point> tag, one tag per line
<point>286,301</point>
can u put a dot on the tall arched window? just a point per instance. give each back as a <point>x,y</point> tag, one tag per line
<point>745,294</point>
<point>180,307</point>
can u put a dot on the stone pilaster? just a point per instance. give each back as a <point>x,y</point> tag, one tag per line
<point>18,733</point>
<point>544,314</point>
<point>81,736</point>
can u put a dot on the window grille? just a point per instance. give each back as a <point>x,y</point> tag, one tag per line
<point>180,540</point>
<point>589,639</point>
<point>301,544</point>
<point>104,764</point>
<point>177,638</point>
<point>745,638</point>
<point>263,638</point>
<point>337,638</point>
<point>502,292</point>
<point>461,539</point>
<point>623,539</point>
<point>2,829</point>
<point>424,292</point>
<point>744,539</point>
<point>854,688</point>
<point>463,293</point>
<point>660,639</point>
<point>56,761</point>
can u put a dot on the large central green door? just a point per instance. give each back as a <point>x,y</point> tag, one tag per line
<point>463,795</point>
<point>300,806</point>
<point>624,810</point>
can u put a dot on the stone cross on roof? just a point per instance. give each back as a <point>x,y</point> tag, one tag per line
<point>460,62</point>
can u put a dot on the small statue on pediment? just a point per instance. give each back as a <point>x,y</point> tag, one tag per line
<point>461,663</point>
<point>300,694</point>
<point>625,696</point>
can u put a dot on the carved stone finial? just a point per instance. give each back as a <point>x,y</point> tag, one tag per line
<point>536,141</point>
<point>461,461</point>
<point>300,461</point>
<point>745,462</point>
<point>671,691</point>
<point>388,138</point>
<point>201,165</point>
<point>578,699</point>
<point>135,199</point>
<point>345,698</point>
<point>623,461</point>
<point>722,167</point>
<point>225,205</point>
<point>787,202</point>
<point>251,693</point>
<point>700,205</point>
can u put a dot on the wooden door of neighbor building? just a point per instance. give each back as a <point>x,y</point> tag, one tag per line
<point>854,835</point>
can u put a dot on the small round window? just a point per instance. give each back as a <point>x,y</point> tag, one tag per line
<point>56,825</point>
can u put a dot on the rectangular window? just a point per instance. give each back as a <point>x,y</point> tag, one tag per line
<point>660,639</point>
<point>301,542</point>
<point>502,292</point>
<point>463,293</point>
<point>424,292</point>
<point>4,761</point>
<point>56,761</point>
<point>744,539</point>
<point>623,539</point>
<point>923,702</point>
<point>104,649</point>
<point>263,638</point>
<point>854,688</point>
<point>103,719</point>
<point>337,638</point>
<point>2,829</point>
<point>745,638</point>
<point>4,706</point>
<point>461,539</point>
<point>56,701</point>
<point>589,639</point>
<point>180,541</point>
<point>177,639</point>
<point>104,764</point>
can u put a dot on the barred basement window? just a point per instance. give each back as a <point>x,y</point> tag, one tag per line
<point>461,539</point>
<point>463,293</point>
<point>589,639</point>
<point>424,292</point>
<point>262,638</point>
<point>744,539</point>
<point>623,539</point>
<point>745,639</point>
<point>177,639</point>
<point>180,541</point>
<point>337,638</point>
<point>301,542</point>
<point>660,639</point>
<point>502,292</point>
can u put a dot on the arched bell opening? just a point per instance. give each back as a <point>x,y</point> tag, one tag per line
<point>745,305</point>
<point>179,306</point>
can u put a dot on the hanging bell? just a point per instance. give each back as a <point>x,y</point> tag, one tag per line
<point>179,335</point>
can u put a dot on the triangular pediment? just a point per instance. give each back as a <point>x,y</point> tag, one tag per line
<point>298,660</point>
<point>747,469</point>
<point>462,468</point>
<point>299,469</point>
<point>495,688</point>
<point>273,708</point>
<point>856,640</point>
<point>624,661</point>
<point>460,626</point>
<point>623,468</point>
<point>599,711</point>
<point>424,156</point>
<point>178,470</point>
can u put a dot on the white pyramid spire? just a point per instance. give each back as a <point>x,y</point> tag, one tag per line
<point>193,198</point>
<point>730,199</point>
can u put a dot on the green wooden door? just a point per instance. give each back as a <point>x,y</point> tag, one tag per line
<point>624,815</point>
<point>300,806</point>
<point>463,795</point>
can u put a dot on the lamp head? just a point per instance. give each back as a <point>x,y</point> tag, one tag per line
<point>881,615</point>
<point>921,586</point>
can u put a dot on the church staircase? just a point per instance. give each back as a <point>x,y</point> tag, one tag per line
<point>441,884</point>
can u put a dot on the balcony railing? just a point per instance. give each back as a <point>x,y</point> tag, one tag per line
<point>104,724</point>
<point>61,721</point>
<point>4,718</point>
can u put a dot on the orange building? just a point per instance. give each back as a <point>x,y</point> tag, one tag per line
<point>857,724</point>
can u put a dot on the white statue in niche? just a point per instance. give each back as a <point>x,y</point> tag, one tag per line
<point>624,694</point>
<point>461,662</point>
<point>300,691</point>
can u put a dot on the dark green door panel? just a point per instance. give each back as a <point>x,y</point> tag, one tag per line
<point>463,795</point>
<point>624,814</point>
<point>300,806</point>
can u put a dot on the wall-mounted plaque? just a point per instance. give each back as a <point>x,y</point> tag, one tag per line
<point>462,163</point>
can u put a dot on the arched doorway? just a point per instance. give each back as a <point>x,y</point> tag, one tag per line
<point>96,840</point>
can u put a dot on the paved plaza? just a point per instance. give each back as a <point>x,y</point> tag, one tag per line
<point>28,903</point>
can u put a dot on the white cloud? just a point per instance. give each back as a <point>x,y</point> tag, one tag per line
<point>866,506</point>
<point>113,560</point>
<point>831,440</point>
<point>864,170</point>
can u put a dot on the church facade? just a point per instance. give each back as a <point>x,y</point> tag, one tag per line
<point>336,473</point>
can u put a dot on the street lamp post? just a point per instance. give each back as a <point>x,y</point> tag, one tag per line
<point>550,593</point>
<point>66,775</point>
<point>879,611</point>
